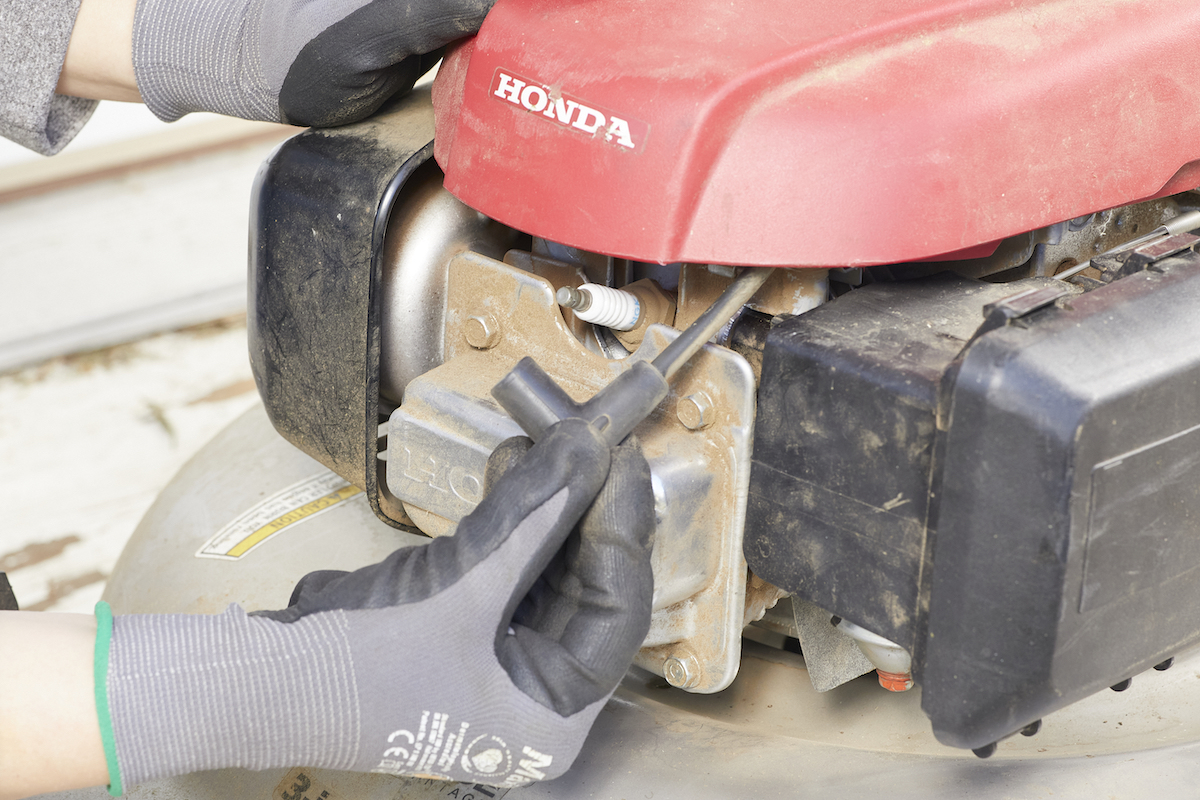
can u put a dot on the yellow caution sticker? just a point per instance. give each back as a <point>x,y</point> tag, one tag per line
<point>295,504</point>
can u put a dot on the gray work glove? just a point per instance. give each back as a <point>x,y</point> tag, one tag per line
<point>481,657</point>
<point>305,62</point>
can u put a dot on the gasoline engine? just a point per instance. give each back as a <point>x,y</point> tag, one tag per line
<point>978,476</point>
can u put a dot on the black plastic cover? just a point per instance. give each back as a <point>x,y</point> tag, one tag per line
<point>1068,532</point>
<point>8,600</point>
<point>320,209</point>
<point>844,443</point>
<point>1018,506</point>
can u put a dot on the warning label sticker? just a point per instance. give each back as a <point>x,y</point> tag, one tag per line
<point>295,504</point>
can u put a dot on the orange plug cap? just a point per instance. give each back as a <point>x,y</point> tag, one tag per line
<point>895,681</point>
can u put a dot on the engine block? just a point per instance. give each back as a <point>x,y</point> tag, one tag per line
<point>697,444</point>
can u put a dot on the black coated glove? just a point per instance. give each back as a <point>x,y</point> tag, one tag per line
<point>484,656</point>
<point>305,62</point>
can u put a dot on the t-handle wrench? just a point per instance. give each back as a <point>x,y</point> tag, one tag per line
<point>536,402</point>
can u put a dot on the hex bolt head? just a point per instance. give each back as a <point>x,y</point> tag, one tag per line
<point>682,671</point>
<point>696,411</point>
<point>482,331</point>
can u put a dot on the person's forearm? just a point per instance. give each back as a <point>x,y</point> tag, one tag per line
<point>99,62</point>
<point>49,733</point>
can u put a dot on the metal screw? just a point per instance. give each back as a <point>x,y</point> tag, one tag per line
<point>695,411</point>
<point>482,331</point>
<point>682,671</point>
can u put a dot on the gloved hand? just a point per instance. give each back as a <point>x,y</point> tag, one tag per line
<point>305,62</point>
<point>482,657</point>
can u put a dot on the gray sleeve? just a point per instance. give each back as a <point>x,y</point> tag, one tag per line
<point>33,42</point>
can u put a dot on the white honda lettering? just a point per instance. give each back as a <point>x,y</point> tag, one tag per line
<point>619,129</point>
<point>509,88</point>
<point>554,105</point>
<point>561,110</point>
<point>589,120</point>
<point>534,98</point>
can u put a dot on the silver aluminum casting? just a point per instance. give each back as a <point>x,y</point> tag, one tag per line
<point>440,438</point>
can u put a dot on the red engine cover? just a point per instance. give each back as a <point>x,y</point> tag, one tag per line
<point>804,132</point>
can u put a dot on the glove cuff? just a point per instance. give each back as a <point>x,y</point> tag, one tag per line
<point>104,626</point>
<point>189,693</point>
<point>201,55</point>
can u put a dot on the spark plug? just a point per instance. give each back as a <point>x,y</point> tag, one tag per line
<point>602,305</point>
<point>627,311</point>
<point>535,401</point>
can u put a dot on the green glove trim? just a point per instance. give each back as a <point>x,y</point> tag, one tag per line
<point>104,627</point>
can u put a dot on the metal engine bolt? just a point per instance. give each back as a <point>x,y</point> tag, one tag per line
<point>1165,665</point>
<point>1032,728</point>
<point>1122,686</point>
<point>682,671</point>
<point>482,331</point>
<point>695,411</point>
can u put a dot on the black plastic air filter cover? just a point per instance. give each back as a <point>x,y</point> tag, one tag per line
<point>1067,547</point>
<point>1044,542</point>
<point>319,212</point>
<point>844,446</point>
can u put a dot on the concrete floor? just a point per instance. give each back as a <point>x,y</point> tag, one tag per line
<point>87,440</point>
